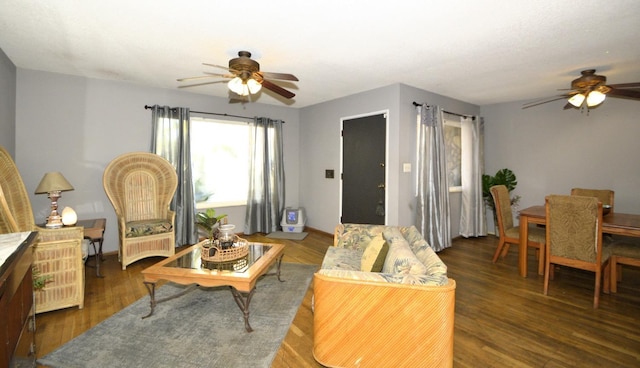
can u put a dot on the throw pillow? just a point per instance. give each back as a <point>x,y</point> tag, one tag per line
<point>374,255</point>
<point>401,258</point>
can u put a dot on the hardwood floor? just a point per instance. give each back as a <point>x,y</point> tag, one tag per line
<point>502,319</point>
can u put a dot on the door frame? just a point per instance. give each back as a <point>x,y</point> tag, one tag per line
<point>386,160</point>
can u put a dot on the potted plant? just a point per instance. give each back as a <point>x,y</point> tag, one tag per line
<point>39,280</point>
<point>504,177</point>
<point>209,222</point>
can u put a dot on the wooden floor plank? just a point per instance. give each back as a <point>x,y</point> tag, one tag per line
<point>502,319</point>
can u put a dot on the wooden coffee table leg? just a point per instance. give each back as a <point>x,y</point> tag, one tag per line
<point>243,304</point>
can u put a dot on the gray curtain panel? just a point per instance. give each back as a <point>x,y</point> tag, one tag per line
<point>265,200</point>
<point>432,194</point>
<point>473,221</point>
<point>170,138</point>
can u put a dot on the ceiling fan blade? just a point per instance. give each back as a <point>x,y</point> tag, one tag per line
<point>277,89</point>
<point>222,67</point>
<point>624,93</point>
<point>193,78</point>
<point>202,84</point>
<point>208,75</point>
<point>625,85</point>
<point>544,101</point>
<point>281,76</point>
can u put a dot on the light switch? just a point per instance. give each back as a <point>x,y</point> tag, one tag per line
<point>406,167</point>
<point>329,174</point>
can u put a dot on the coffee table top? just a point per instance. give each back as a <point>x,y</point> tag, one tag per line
<point>187,267</point>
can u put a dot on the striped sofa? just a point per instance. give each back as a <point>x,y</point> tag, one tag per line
<point>398,312</point>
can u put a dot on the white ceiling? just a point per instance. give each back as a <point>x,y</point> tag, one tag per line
<point>478,51</point>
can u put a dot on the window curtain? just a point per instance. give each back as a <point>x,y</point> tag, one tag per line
<point>473,221</point>
<point>432,189</point>
<point>170,138</point>
<point>265,200</point>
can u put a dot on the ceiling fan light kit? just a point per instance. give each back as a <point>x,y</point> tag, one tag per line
<point>592,89</point>
<point>246,77</point>
<point>244,88</point>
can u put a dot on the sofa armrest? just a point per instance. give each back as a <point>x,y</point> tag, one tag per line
<point>362,324</point>
<point>394,278</point>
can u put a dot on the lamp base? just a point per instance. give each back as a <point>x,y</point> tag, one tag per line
<point>54,222</point>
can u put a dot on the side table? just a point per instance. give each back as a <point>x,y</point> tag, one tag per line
<point>94,232</point>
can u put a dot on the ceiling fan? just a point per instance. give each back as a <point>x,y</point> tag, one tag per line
<point>591,90</point>
<point>245,77</point>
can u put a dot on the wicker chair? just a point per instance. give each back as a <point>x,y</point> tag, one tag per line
<point>574,239</point>
<point>57,252</point>
<point>510,234</point>
<point>140,186</point>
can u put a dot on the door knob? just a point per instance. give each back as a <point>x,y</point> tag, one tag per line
<point>380,186</point>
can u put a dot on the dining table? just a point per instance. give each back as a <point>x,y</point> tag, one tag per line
<point>612,223</point>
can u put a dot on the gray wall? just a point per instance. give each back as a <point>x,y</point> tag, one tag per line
<point>551,150</point>
<point>320,150</point>
<point>77,125</point>
<point>7,103</point>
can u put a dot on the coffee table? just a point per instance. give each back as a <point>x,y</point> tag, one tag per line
<point>188,268</point>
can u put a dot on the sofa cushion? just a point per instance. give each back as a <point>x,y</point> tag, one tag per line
<point>400,258</point>
<point>374,255</point>
<point>147,227</point>
<point>424,252</point>
<point>337,258</point>
<point>357,236</point>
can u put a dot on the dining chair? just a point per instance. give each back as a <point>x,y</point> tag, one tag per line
<point>140,186</point>
<point>574,239</point>
<point>624,251</point>
<point>605,196</point>
<point>510,234</point>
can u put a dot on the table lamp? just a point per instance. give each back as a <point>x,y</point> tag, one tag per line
<point>53,183</point>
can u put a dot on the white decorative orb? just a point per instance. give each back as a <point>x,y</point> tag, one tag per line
<point>69,216</point>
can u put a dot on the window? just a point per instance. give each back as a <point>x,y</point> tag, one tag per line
<point>453,152</point>
<point>220,159</point>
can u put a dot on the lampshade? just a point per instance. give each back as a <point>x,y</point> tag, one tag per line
<point>254,86</point>
<point>595,98</point>
<point>52,182</point>
<point>235,85</point>
<point>577,100</point>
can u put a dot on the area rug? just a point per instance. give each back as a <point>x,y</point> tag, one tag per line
<point>285,235</point>
<point>203,328</point>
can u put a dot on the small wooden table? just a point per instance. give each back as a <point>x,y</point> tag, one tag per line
<point>612,223</point>
<point>188,268</point>
<point>94,232</point>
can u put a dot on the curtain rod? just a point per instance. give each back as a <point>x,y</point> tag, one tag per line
<point>147,107</point>
<point>448,112</point>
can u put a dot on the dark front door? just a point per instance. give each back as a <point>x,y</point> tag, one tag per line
<point>363,170</point>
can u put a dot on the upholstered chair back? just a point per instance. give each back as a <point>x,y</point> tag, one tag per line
<point>500,195</point>
<point>574,227</point>
<point>605,196</point>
